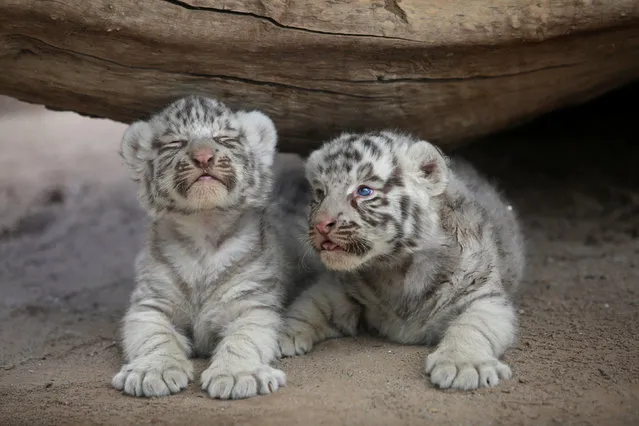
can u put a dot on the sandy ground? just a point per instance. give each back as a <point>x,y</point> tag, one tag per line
<point>70,227</point>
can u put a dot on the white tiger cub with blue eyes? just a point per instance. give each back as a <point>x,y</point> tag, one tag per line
<point>221,253</point>
<point>425,252</point>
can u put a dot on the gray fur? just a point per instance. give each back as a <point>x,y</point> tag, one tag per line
<point>217,266</point>
<point>432,257</point>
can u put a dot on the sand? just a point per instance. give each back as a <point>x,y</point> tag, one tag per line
<point>70,226</point>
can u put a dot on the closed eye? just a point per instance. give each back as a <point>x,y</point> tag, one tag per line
<point>173,145</point>
<point>319,194</point>
<point>229,142</point>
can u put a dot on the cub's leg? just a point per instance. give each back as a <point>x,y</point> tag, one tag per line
<point>240,363</point>
<point>322,312</point>
<point>468,355</point>
<point>157,354</point>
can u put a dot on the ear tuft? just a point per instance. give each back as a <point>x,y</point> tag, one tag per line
<point>136,145</point>
<point>430,165</point>
<point>260,132</point>
<point>429,168</point>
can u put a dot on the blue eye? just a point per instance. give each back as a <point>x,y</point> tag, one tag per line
<point>364,191</point>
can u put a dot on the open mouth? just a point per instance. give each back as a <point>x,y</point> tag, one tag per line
<point>328,245</point>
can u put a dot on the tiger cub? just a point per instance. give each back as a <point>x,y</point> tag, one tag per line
<point>425,251</point>
<point>219,259</point>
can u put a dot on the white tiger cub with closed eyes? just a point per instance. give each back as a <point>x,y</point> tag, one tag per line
<point>427,253</point>
<point>214,273</point>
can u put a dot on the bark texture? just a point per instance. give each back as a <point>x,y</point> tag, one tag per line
<point>448,70</point>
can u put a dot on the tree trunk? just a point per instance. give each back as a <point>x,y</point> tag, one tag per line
<point>447,70</point>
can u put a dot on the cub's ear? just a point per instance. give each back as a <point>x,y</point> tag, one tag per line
<point>260,133</point>
<point>429,164</point>
<point>135,147</point>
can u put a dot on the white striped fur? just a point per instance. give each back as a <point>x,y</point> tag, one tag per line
<point>218,263</point>
<point>430,255</point>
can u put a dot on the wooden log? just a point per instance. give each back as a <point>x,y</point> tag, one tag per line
<point>448,70</point>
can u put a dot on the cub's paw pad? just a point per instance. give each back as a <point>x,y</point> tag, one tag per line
<point>153,379</point>
<point>225,383</point>
<point>449,371</point>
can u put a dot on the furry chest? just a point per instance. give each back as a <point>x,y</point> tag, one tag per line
<point>392,313</point>
<point>202,282</point>
<point>199,276</point>
<point>202,268</point>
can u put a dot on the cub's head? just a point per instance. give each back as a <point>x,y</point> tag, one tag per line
<point>375,197</point>
<point>199,155</point>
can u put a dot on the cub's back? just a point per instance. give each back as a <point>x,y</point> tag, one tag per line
<point>508,235</point>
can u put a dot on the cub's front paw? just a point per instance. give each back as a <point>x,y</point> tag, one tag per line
<point>154,376</point>
<point>448,369</point>
<point>241,382</point>
<point>295,339</point>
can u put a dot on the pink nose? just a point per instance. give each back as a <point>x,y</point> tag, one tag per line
<point>325,225</point>
<point>202,156</point>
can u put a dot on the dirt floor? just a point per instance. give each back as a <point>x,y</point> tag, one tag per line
<point>70,227</point>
